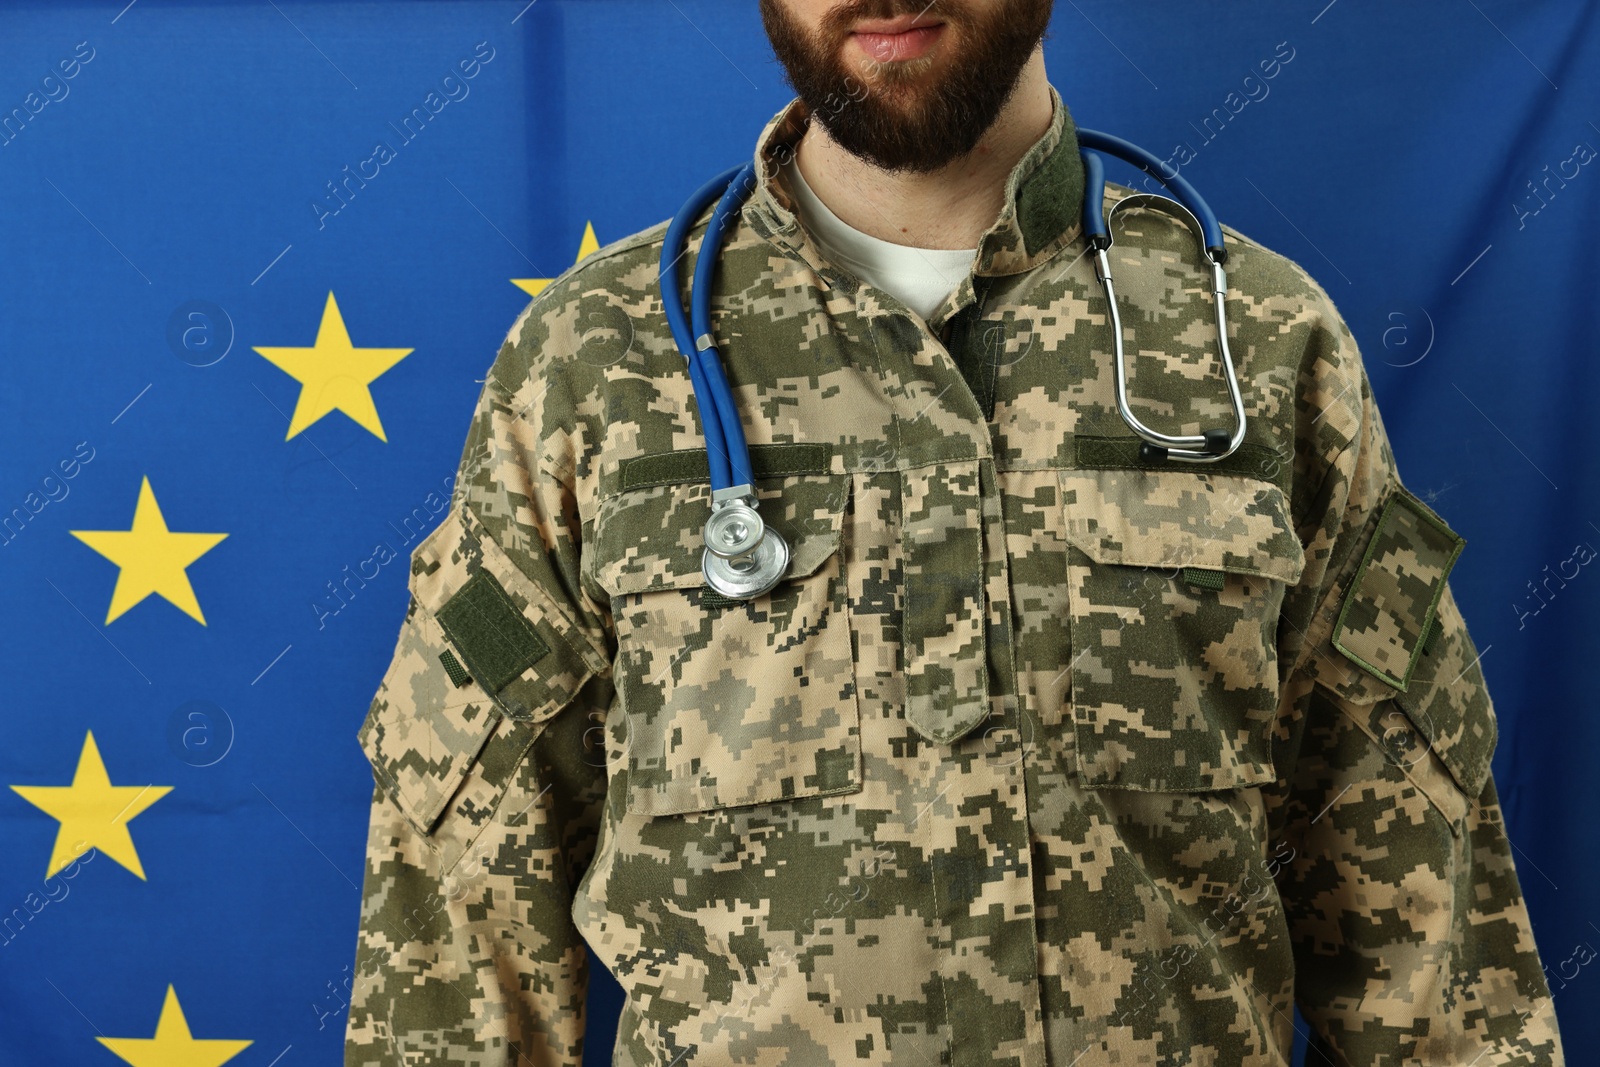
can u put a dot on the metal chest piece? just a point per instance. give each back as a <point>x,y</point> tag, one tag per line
<point>743,557</point>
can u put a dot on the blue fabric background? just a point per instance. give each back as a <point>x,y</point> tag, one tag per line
<point>1392,156</point>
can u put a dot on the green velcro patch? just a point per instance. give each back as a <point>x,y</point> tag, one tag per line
<point>497,641</point>
<point>452,666</point>
<point>1115,453</point>
<point>1049,199</point>
<point>691,465</point>
<point>1393,599</point>
<point>1204,577</point>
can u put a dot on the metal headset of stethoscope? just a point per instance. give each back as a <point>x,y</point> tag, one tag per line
<point>743,556</point>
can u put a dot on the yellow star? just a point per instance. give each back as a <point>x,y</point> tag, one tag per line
<point>173,1046</point>
<point>334,374</point>
<point>93,813</point>
<point>152,558</point>
<point>535,286</point>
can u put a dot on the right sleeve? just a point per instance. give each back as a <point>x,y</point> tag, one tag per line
<point>488,781</point>
<point>1411,937</point>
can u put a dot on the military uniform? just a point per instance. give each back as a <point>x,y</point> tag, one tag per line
<point>1039,753</point>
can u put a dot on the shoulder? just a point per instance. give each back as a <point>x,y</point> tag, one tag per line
<point>1286,291</point>
<point>1268,280</point>
<point>584,317</point>
<point>1267,274</point>
<point>1288,337</point>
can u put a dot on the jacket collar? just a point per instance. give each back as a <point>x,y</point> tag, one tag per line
<point>1042,211</point>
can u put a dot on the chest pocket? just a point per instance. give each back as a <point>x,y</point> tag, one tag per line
<point>1176,583</point>
<point>729,702</point>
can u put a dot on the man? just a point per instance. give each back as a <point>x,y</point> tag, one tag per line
<point>1040,753</point>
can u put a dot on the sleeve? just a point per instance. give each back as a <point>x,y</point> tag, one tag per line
<point>488,778</point>
<point>1411,938</point>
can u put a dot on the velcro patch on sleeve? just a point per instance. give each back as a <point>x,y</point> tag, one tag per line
<point>493,636</point>
<point>1395,592</point>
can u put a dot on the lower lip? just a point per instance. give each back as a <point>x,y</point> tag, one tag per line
<point>890,47</point>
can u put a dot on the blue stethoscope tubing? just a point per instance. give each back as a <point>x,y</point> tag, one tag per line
<point>743,556</point>
<point>727,452</point>
<point>1094,221</point>
<point>748,557</point>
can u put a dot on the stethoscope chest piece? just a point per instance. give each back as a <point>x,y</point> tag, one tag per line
<point>743,556</point>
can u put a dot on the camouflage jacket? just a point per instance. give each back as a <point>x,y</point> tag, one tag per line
<point>1039,754</point>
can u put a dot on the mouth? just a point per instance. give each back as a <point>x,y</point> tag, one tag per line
<point>891,40</point>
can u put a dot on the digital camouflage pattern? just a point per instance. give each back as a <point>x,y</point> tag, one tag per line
<point>1038,755</point>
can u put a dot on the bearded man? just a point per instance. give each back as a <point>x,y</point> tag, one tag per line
<point>1045,748</point>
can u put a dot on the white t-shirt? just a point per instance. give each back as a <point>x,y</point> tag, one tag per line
<point>919,277</point>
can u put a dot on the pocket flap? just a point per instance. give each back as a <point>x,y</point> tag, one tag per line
<point>481,641</point>
<point>1448,699</point>
<point>1400,627</point>
<point>423,731</point>
<point>1395,592</point>
<point>652,538</point>
<point>1166,518</point>
<point>510,636</point>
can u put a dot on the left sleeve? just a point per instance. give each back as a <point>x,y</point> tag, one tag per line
<point>1412,942</point>
<point>487,800</point>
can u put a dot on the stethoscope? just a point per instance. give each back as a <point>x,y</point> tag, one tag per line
<point>743,556</point>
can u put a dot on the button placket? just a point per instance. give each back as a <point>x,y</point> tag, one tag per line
<point>943,608</point>
<point>946,662</point>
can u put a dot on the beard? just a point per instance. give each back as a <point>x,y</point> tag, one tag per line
<point>919,114</point>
